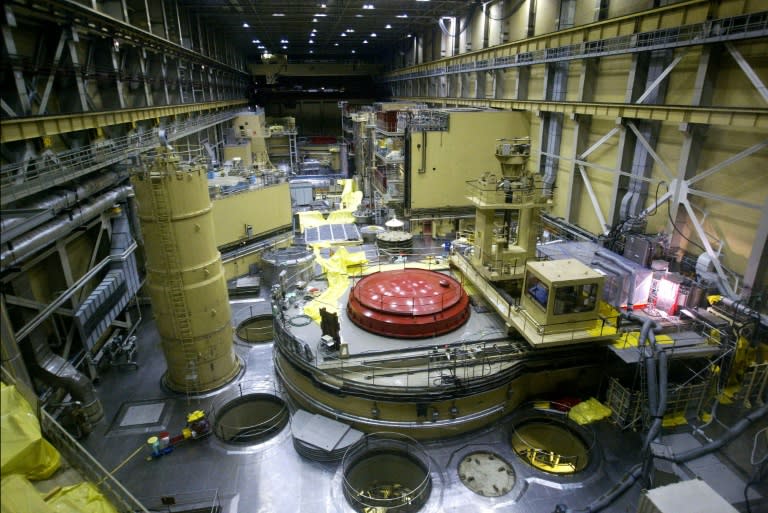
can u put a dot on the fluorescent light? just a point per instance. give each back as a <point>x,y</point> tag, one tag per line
<point>350,30</point>
<point>285,47</point>
<point>358,15</point>
<point>314,20</point>
<point>343,34</point>
<point>368,6</point>
<point>314,30</point>
<point>283,41</point>
<point>321,15</point>
<point>354,51</point>
<point>388,26</point>
<point>311,41</point>
<point>401,16</point>
<point>373,34</point>
<point>245,25</point>
<point>278,14</point>
<point>261,47</point>
<point>322,6</point>
<point>365,41</point>
<point>254,41</point>
<point>335,44</point>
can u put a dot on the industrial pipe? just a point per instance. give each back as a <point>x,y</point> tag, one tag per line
<point>67,197</point>
<point>22,247</point>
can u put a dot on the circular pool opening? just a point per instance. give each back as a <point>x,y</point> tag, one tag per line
<point>386,474</point>
<point>256,329</point>
<point>486,474</point>
<point>250,418</point>
<point>549,444</point>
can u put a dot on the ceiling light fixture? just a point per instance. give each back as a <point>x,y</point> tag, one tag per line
<point>311,41</point>
<point>335,44</point>
<point>343,34</point>
<point>350,30</point>
<point>358,15</point>
<point>401,16</point>
<point>311,51</point>
<point>261,47</point>
<point>321,15</point>
<point>388,26</point>
<point>354,51</point>
<point>278,14</point>
<point>373,34</point>
<point>285,47</point>
<point>245,25</point>
<point>368,6</point>
<point>323,6</point>
<point>283,41</point>
<point>365,41</point>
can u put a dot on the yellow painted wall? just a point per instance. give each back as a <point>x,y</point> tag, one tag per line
<point>611,81</point>
<point>264,209</point>
<point>622,7</point>
<point>536,82</point>
<point>546,15</point>
<point>450,162</point>
<point>733,88</point>
<point>517,23</point>
<point>241,151</point>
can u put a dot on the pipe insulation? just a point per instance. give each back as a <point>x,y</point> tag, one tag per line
<point>22,247</point>
<point>68,197</point>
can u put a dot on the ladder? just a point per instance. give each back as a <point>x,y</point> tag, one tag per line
<point>185,84</point>
<point>174,288</point>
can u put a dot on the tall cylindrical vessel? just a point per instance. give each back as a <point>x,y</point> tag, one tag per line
<point>185,275</point>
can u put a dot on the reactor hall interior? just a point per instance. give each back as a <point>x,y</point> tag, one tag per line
<point>457,256</point>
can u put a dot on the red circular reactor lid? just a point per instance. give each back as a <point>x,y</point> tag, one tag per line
<point>408,303</point>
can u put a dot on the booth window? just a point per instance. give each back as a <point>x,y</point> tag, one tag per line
<point>537,290</point>
<point>575,298</point>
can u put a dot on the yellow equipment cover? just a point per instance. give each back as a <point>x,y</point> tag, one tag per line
<point>79,498</point>
<point>589,411</point>
<point>23,450</point>
<point>17,495</point>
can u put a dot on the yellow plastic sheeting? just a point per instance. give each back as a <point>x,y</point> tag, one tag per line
<point>311,219</point>
<point>336,270</point>
<point>17,495</point>
<point>589,411</point>
<point>610,314</point>
<point>23,450</point>
<point>350,198</point>
<point>632,338</point>
<point>341,217</point>
<point>79,498</point>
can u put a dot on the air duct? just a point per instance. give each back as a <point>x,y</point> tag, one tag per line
<point>22,247</point>
<point>55,370</point>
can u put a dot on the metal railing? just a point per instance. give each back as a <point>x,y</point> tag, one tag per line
<point>397,496</point>
<point>711,31</point>
<point>22,179</point>
<point>88,467</point>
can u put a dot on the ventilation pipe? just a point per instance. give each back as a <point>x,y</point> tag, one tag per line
<point>56,371</point>
<point>64,198</point>
<point>22,247</point>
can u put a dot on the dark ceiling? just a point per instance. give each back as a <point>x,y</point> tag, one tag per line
<point>365,33</point>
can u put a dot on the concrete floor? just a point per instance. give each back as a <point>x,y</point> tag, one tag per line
<point>272,477</point>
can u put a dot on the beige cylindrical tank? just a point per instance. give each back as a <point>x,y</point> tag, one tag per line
<point>185,275</point>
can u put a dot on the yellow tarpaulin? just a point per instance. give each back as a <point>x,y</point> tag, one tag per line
<point>17,495</point>
<point>23,449</point>
<point>335,268</point>
<point>79,498</point>
<point>589,411</point>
